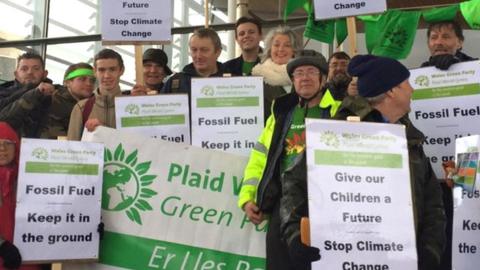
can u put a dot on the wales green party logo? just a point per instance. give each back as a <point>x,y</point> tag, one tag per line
<point>40,153</point>
<point>132,109</point>
<point>207,90</point>
<point>329,138</point>
<point>422,80</point>
<point>125,184</point>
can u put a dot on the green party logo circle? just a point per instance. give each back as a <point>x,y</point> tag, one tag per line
<point>422,80</point>
<point>125,184</point>
<point>132,109</point>
<point>40,153</point>
<point>329,138</point>
<point>207,90</point>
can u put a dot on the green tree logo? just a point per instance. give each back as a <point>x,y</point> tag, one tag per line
<point>40,153</point>
<point>125,184</point>
<point>132,109</point>
<point>422,80</point>
<point>208,91</point>
<point>329,138</point>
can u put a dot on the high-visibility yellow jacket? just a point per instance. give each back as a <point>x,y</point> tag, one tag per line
<point>264,158</point>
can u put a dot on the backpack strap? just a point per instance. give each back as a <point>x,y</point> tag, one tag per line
<point>87,109</point>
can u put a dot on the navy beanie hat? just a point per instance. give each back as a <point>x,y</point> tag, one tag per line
<point>376,74</point>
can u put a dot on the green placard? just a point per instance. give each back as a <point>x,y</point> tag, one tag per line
<point>61,168</point>
<point>447,91</point>
<point>358,159</point>
<point>157,120</point>
<point>227,102</point>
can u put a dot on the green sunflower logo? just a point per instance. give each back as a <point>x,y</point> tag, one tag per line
<point>207,91</point>
<point>330,139</point>
<point>125,184</point>
<point>132,109</point>
<point>40,153</point>
<point>422,80</point>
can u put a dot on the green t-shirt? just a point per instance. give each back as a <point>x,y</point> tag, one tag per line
<point>295,140</point>
<point>247,67</point>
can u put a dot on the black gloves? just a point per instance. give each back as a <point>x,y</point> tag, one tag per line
<point>443,61</point>
<point>101,230</point>
<point>10,255</point>
<point>302,255</point>
<point>338,86</point>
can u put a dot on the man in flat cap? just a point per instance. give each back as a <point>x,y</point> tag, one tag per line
<point>385,96</point>
<point>155,69</point>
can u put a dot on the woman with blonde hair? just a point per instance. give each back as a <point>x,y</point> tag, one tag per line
<point>281,43</point>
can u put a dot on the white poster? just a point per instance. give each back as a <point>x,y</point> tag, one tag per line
<point>158,116</point>
<point>446,106</point>
<point>360,202</point>
<point>227,113</point>
<point>136,21</point>
<point>466,221</point>
<point>327,9</point>
<point>58,200</point>
<point>171,206</point>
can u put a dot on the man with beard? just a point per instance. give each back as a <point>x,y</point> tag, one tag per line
<point>29,74</point>
<point>338,78</point>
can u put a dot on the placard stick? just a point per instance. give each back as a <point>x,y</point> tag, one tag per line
<point>352,36</point>
<point>138,64</point>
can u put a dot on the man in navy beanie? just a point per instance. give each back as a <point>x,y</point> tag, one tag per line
<point>384,96</point>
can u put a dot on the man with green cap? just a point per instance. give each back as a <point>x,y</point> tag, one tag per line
<point>275,177</point>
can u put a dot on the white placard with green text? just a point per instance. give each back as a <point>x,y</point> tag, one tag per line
<point>159,116</point>
<point>58,200</point>
<point>446,106</point>
<point>326,9</point>
<point>227,113</point>
<point>466,217</point>
<point>360,201</point>
<point>175,206</point>
<point>136,21</point>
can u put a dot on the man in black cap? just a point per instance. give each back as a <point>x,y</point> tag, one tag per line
<point>385,96</point>
<point>155,69</point>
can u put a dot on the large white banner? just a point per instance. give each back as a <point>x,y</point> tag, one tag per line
<point>360,202</point>
<point>58,200</point>
<point>158,116</point>
<point>227,113</point>
<point>136,21</point>
<point>171,206</point>
<point>326,9</point>
<point>446,106</point>
<point>466,222</point>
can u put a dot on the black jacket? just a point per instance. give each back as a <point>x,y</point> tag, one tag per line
<point>459,55</point>
<point>235,65</point>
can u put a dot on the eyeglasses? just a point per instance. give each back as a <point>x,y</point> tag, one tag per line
<point>301,74</point>
<point>7,143</point>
